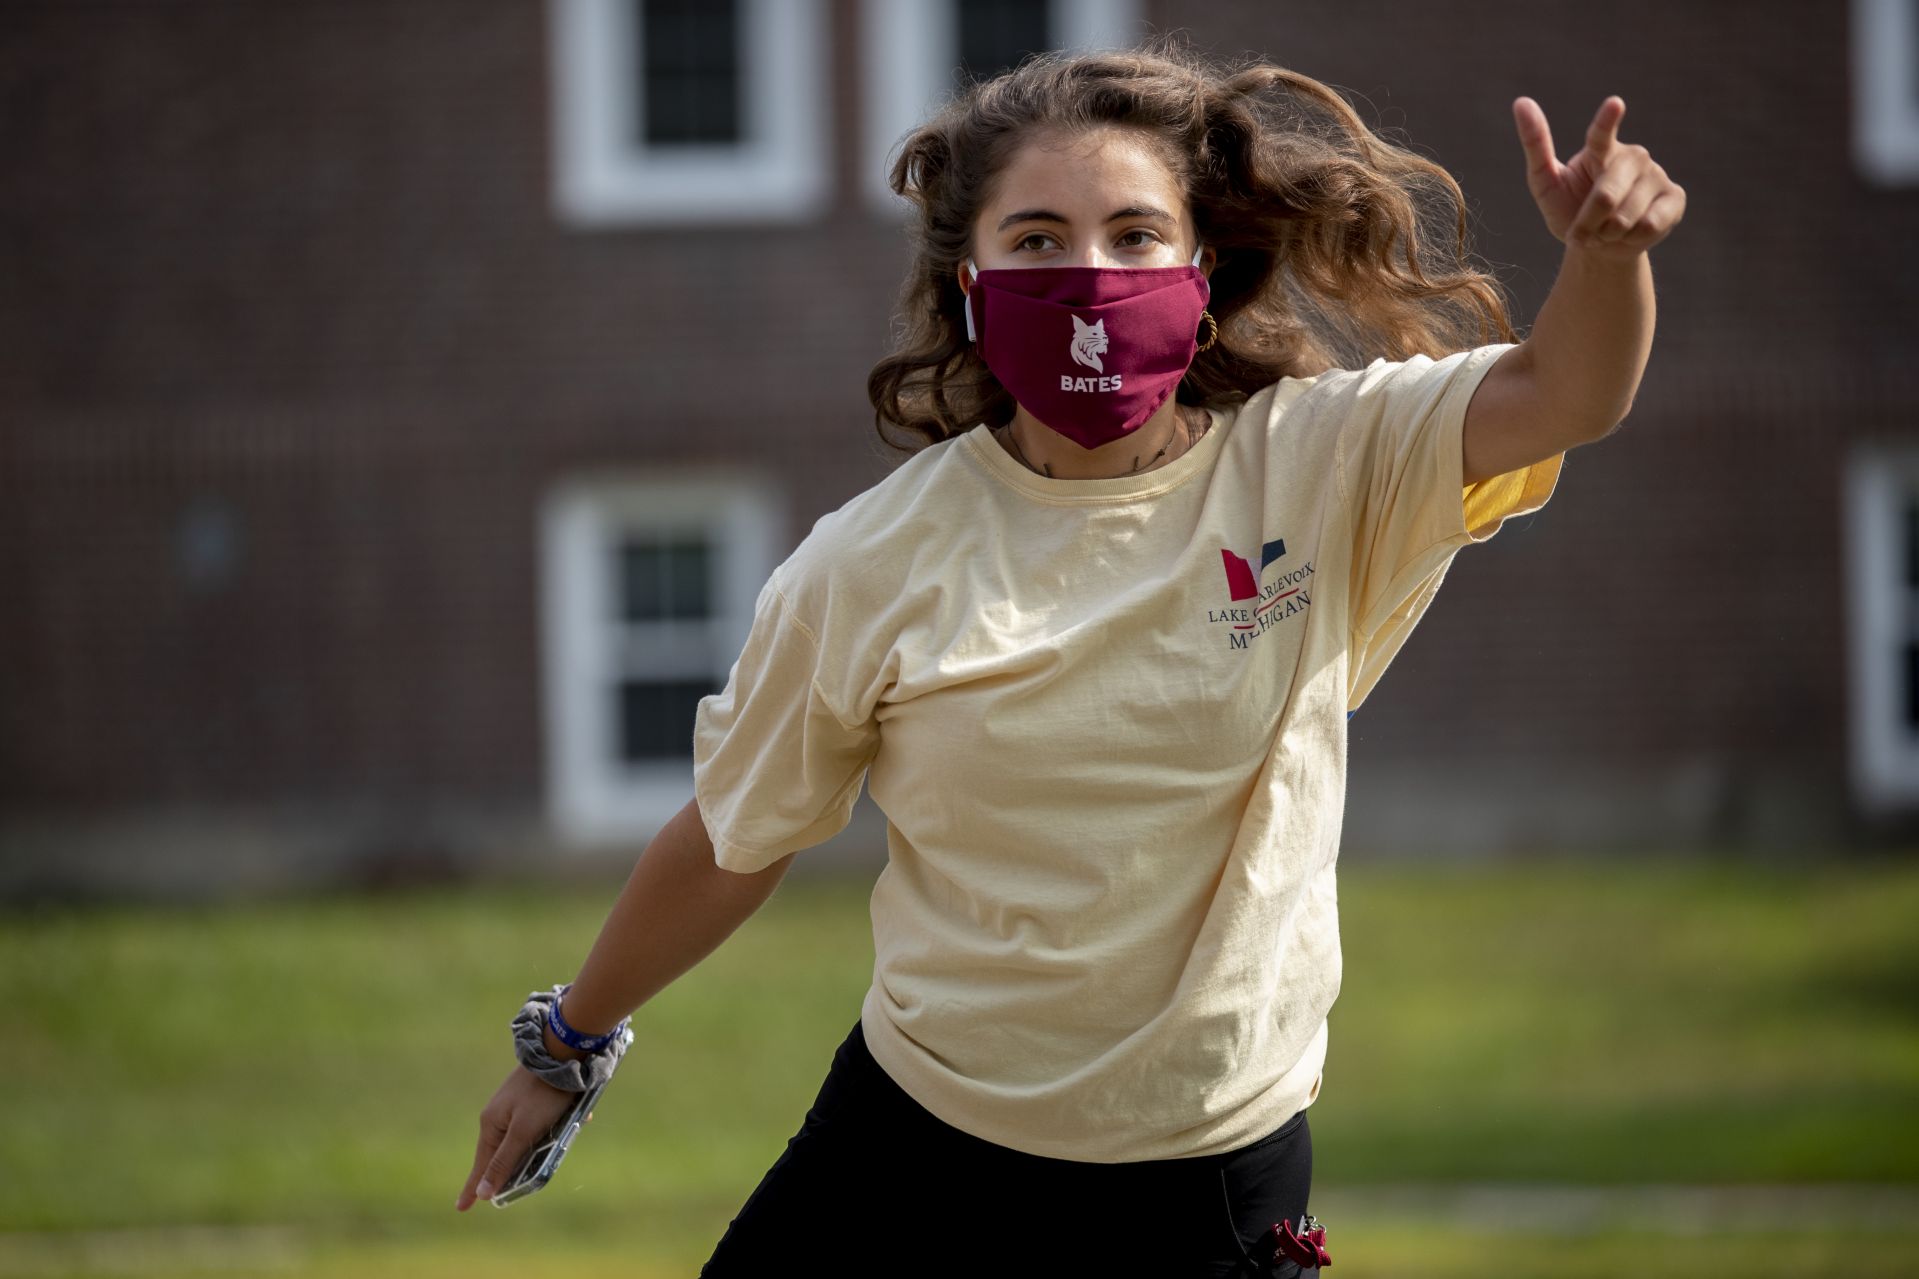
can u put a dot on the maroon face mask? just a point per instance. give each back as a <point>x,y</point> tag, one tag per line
<point>1091,351</point>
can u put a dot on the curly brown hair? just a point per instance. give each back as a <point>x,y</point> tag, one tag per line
<point>1314,217</point>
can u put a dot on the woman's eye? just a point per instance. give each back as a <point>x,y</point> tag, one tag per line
<point>1029,239</point>
<point>1139,231</point>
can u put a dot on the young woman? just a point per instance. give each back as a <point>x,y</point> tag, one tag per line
<point>1093,647</point>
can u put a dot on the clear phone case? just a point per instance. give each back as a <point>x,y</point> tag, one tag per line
<point>543,1159</point>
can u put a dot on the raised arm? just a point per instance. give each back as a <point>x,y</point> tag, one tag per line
<point>1574,378</point>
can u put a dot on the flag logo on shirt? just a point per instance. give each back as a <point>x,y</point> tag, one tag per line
<point>1255,606</point>
<point>1242,580</point>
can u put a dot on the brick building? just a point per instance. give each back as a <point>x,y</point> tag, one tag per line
<point>401,405</point>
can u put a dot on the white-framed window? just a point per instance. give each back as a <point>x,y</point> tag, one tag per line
<point>914,55</point>
<point>1882,561</point>
<point>1885,90</point>
<point>675,110</point>
<point>647,586</point>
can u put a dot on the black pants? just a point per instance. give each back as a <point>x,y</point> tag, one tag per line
<point>874,1184</point>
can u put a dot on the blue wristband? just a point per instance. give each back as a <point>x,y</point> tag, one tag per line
<point>570,1037</point>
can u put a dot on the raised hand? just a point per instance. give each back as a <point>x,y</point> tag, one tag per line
<point>1611,199</point>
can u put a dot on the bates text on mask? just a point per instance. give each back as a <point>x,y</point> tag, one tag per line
<point>1069,383</point>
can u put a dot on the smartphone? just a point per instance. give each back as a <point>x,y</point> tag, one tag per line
<point>543,1159</point>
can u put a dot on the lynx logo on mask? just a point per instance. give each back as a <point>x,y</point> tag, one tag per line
<point>1089,343</point>
<point>1018,316</point>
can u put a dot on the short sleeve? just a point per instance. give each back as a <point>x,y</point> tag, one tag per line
<point>775,768</point>
<point>1401,463</point>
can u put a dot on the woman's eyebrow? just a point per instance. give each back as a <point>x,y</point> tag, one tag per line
<point>1130,211</point>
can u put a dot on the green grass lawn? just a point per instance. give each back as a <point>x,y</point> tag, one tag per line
<point>316,1070</point>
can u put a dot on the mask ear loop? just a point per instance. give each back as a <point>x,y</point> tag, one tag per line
<point>968,300</point>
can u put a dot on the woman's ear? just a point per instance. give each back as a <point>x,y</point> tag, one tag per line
<point>965,282</point>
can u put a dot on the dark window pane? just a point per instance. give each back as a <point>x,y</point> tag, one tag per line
<point>656,717</point>
<point>1911,699</point>
<point>995,34</point>
<point>642,579</point>
<point>686,579</point>
<point>1912,541</point>
<point>663,579</point>
<point>690,71</point>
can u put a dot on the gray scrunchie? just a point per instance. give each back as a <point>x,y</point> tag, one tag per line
<point>529,1045</point>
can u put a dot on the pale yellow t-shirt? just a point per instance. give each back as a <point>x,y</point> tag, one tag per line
<point>1106,721</point>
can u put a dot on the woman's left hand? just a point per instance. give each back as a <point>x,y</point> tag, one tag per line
<point>1611,200</point>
